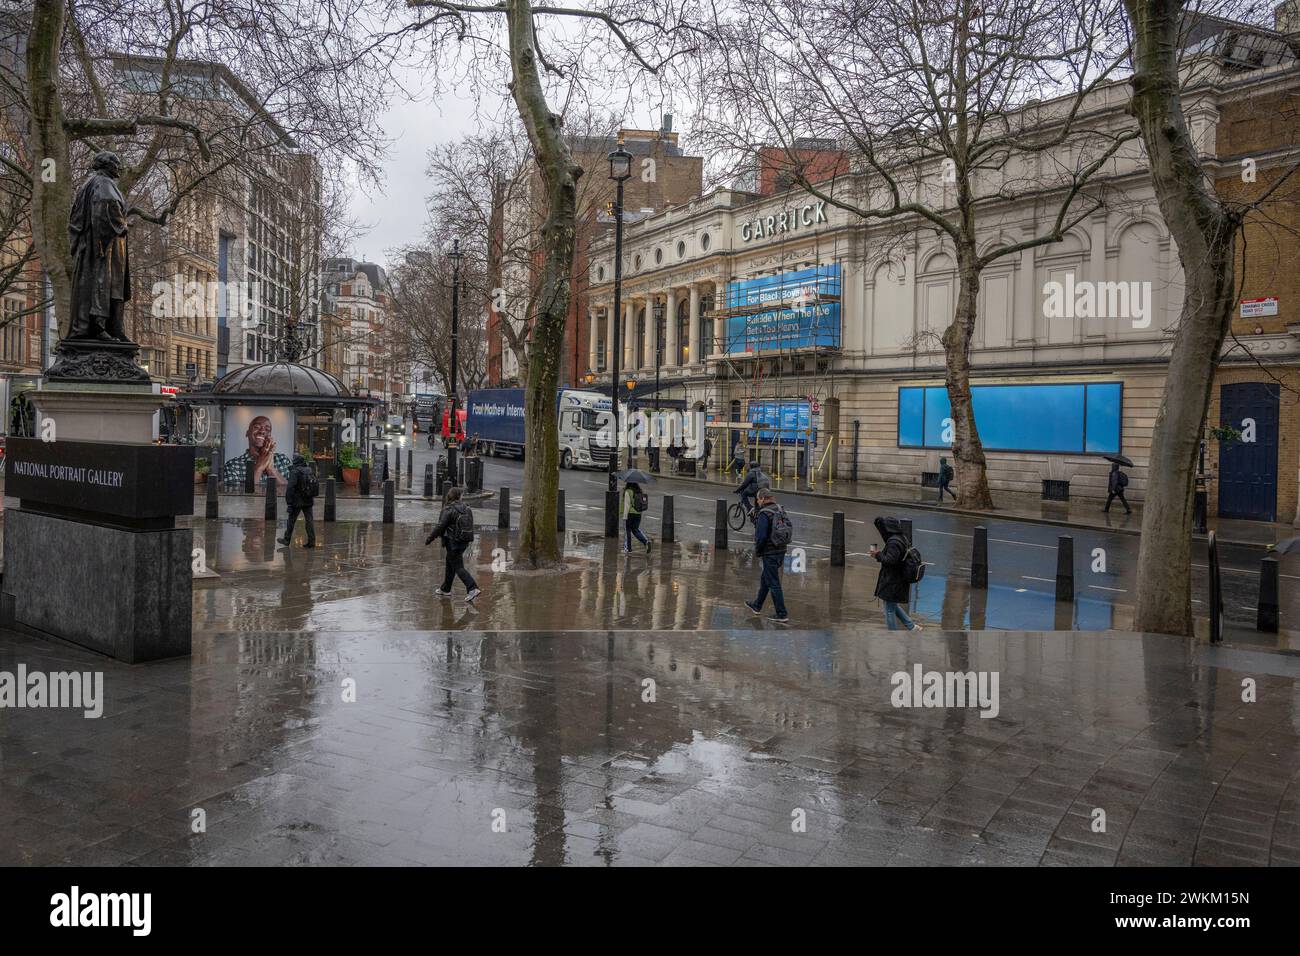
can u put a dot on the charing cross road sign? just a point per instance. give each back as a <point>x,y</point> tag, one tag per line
<point>787,220</point>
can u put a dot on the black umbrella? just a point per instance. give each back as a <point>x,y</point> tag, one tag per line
<point>635,475</point>
<point>1121,460</point>
<point>1287,546</point>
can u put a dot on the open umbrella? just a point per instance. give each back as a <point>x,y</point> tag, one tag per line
<point>635,475</point>
<point>1121,460</point>
<point>1287,546</point>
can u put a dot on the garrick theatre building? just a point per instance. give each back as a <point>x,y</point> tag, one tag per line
<point>791,313</point>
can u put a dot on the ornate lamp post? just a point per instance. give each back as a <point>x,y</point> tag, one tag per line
<point>456,257</point>
<point>620,170</point>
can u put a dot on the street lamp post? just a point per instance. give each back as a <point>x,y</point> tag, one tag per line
<point>620,170</point>
<point>661,320</point>
<point>456,256</point>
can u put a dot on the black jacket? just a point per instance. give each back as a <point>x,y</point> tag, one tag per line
<point>1112,483</point>
<point>754,480</point>
<point>892,585</point>
<point>763,531</point>
<point>443,528</point>
<point>295,494</point>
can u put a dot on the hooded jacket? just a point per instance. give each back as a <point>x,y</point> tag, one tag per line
<point>754,481</point>
<point>892,585</point>
<point>295,495</point>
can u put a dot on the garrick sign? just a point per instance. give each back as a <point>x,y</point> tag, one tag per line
<point>787,220</point>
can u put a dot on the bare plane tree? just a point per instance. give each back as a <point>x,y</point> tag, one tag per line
<point>946,110</point>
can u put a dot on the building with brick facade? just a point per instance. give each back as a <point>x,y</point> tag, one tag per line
<point>822,329</point>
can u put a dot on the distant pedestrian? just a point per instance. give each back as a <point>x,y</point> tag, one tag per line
<point>456,529</point>
<point>300,495</point>
<point>945,476</point>
<point>635,503</point>
<point>1115,485</point>
<point>892,585</point>
<point>773,532</point>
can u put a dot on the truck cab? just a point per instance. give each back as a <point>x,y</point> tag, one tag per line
<point>580,423</point>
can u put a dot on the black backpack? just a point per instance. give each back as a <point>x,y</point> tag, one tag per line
<point>1122,480</point>
<point>781,531</point>
<point>461,528</point>
<point>308,483</point>
<point>640,501</point>
<point>913,566</point>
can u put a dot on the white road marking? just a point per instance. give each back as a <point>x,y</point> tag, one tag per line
<point>1030,577</point>
<point>1102,587</point>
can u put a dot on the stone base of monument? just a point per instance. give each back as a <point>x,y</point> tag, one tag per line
<point>90,411</point>
<point>92,553</point>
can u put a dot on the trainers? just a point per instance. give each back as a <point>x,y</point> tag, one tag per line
<point>469,598</point>
<point>441,593</point>
<point>753,607</point>
<point>779,618</point>
<point>647,545</point>
<point>917,627</point>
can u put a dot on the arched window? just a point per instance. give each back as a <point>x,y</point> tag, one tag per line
<point>683,319</point>
<point>660,341</point>
<point>638,353</point>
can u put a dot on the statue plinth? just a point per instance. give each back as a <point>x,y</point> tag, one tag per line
<point>90,360</point>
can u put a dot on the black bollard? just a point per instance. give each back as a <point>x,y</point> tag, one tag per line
<point>1216,590</point>
<point>611,514</point>
<point>428,480</point>
<point>410,467</point>
<point>667,527</point>
<point>559,510</point>
<point>389,489</point>
<point>211,510</point>
<point>503,511</point>
<point>837,539</point>
<point>907,528</point>
<point>268,485</point>
<point>1267,617</point>
<point>364,481</point>
<point>1065,568</point>
<point>720,524</point>
<point>249,487</point>
<point>330,499</point>
<point>979,559</point>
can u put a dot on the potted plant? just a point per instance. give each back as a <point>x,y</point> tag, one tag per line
<point>202,467</point>
<point>350,463</point>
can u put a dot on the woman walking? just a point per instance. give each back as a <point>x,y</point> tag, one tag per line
<point>635,503</point>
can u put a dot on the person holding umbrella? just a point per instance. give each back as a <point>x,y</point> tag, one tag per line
<point>635,503</point>
<point>1116,482</point>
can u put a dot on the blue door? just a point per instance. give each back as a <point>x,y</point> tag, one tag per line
<point>1248,469</point>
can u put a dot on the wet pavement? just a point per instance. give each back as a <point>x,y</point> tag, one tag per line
<point>750,747</point>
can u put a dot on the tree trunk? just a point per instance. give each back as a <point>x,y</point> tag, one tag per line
<point>538,544</point>
<point>1206,237</point>
<point>967,449</point>
<point>51,201</point>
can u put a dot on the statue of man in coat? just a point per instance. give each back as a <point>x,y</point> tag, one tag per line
<point>101,270</point>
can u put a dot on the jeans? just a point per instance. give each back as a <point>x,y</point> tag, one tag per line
<point>456,569</point>
<point>305,511</point>
<point>943,486</point>
<point>747,502</point>
<point>770,582</point>
<point>1122,500</point>
<point>632,526</point>
<point>892,610</point>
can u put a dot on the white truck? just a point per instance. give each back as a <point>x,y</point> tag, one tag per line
<point>495,416</point>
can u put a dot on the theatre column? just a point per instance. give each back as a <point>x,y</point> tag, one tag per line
<point>629,310</point>
<point>719,345</point>
<point>592,340</point>
<point>693,354</point>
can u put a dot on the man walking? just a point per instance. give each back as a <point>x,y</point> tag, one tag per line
<point>892,585</point>
<point>300,495</point>
<point>456,529</point>
<point>772,534</point>
<point>945,476</point>
<point>1115,485</point>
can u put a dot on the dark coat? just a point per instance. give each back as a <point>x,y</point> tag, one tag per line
<point>892,585</point>
<point>295,495</point>
<point>763,531</point>
<point>443,528</point>
<point>754,480</point>
<point>1112,483</point>
<point>101,271</point>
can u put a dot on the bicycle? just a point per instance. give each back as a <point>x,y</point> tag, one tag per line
<point>737,515</point>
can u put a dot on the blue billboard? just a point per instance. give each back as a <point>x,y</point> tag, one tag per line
<point>788,421</point>
<point>790,310</point>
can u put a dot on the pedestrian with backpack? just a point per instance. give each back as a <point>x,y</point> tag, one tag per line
<point>456,529</point>
<point>300,495</point>
<point>900,568</point>
<point>946,475</point>
<point>773,532</point>
<point>1115,485</point>
<point>635,503</point>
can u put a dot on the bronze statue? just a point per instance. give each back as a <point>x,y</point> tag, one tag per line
<point>101,269</point>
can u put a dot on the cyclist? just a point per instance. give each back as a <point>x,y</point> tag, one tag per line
<point>754,481</point>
